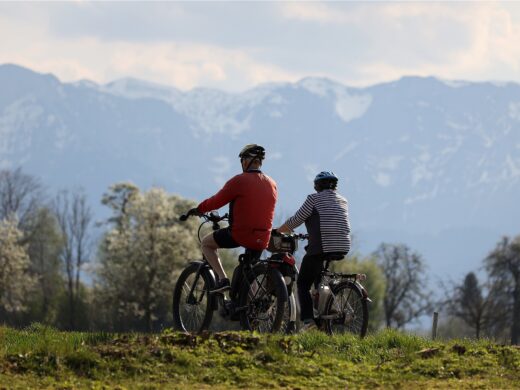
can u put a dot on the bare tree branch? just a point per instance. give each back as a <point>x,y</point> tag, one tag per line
<point>405,297</point>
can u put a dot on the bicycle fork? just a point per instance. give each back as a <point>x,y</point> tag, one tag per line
<point>190,299</point>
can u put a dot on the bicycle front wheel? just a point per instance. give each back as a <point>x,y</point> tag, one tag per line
<point>346,310</point>
<point>192,303</point>
<point>263,301</point>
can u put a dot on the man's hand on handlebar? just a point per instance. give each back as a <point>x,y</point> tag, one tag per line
<point>213,216</point>
<point>193,211</point>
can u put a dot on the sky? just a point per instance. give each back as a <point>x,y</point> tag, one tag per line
<point>235,46</point>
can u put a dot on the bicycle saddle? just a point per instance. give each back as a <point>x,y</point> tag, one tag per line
<point>333,256</point>
<point>251,254</point>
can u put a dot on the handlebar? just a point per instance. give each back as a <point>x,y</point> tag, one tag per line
<point>208,217</point>
<point>215,218</point>
<point>298,236</point>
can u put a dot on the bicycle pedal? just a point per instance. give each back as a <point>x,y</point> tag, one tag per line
<point>227,308</point>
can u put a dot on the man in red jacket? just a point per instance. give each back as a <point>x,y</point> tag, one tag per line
<point>252,197</point>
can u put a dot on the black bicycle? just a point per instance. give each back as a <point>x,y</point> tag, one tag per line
<point>257,298</point>
<point>282,247</point>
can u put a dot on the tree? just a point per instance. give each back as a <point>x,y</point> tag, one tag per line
<point>406,297</point>
<point>118,198</point>
<point>15,278</point>
<point>74,217</point>
<point>471,303</point>
<point>20,197</point>
<point>44,250</point>
<point>142,254</point>
<point>503,266</point>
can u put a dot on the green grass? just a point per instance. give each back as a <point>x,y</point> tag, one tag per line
<point>41,357</point>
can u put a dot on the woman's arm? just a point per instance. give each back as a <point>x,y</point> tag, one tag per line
<point>299,217</point>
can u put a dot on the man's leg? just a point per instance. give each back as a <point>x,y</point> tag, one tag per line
<point>309,270</point>
<point>209,248</point>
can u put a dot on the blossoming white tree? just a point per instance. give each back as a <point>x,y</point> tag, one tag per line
<point>142,254</point>
<point>15,279</point>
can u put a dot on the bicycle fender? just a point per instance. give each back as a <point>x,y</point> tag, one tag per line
<point>292,303</point>
<point>207,267</point>
<point>362,290</point>
<point>212,279</point>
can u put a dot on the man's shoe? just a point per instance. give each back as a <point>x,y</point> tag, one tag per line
<point>221,286</point>
<point>308,325</point>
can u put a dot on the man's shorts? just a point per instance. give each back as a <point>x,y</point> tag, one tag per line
<point>223,238</point>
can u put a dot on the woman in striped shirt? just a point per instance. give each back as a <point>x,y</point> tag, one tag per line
<point>325,215</point>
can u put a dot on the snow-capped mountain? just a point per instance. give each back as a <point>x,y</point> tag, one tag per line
<point>432,163</point>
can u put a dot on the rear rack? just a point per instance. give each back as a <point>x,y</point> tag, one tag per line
<point>340,275</point>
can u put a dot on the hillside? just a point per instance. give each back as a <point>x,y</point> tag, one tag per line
<point>40,357</point>
<point>431,163</point>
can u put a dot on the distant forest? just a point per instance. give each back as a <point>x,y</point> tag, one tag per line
<point>47,246</point>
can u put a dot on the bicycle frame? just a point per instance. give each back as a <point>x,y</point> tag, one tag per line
<point>247,261</point>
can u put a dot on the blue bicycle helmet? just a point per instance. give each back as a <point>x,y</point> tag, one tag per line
<point>325,180</point>
<point>325,175</point>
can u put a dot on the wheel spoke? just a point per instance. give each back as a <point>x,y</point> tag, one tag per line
<point>346,312</point>
<point>193,303</point>
<point>262,305</point>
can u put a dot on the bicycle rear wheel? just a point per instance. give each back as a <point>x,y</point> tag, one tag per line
<point>192,303</point>
<point>346,310</point>
<point>263,300</point>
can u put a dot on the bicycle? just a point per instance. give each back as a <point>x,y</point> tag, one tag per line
<point>340,300</point>
<point>258,294</point>
<point>283,246</point>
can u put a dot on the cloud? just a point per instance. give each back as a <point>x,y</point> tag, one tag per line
<point>184,65</point>
<point>235,46</point>
<point>462,40</point>
<point>490,50</point>
<point>312,12</point>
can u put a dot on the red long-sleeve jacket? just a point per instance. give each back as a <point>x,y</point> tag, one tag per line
<point>252,198</point>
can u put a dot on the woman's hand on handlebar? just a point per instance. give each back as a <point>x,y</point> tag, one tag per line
<point>283,229</point>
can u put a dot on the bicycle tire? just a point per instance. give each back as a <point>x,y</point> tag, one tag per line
<point>262,300</point>
<point>348,308</point>
<point>289,316</point>
<point>188,316</point>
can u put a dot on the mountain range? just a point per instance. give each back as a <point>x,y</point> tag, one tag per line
<point>431,163</point>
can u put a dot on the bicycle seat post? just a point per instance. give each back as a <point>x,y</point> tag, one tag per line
<point>327,264</point>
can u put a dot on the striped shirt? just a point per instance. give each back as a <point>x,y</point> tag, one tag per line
<point>325,215</point>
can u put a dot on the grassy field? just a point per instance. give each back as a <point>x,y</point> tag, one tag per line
<point>40,357</point>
